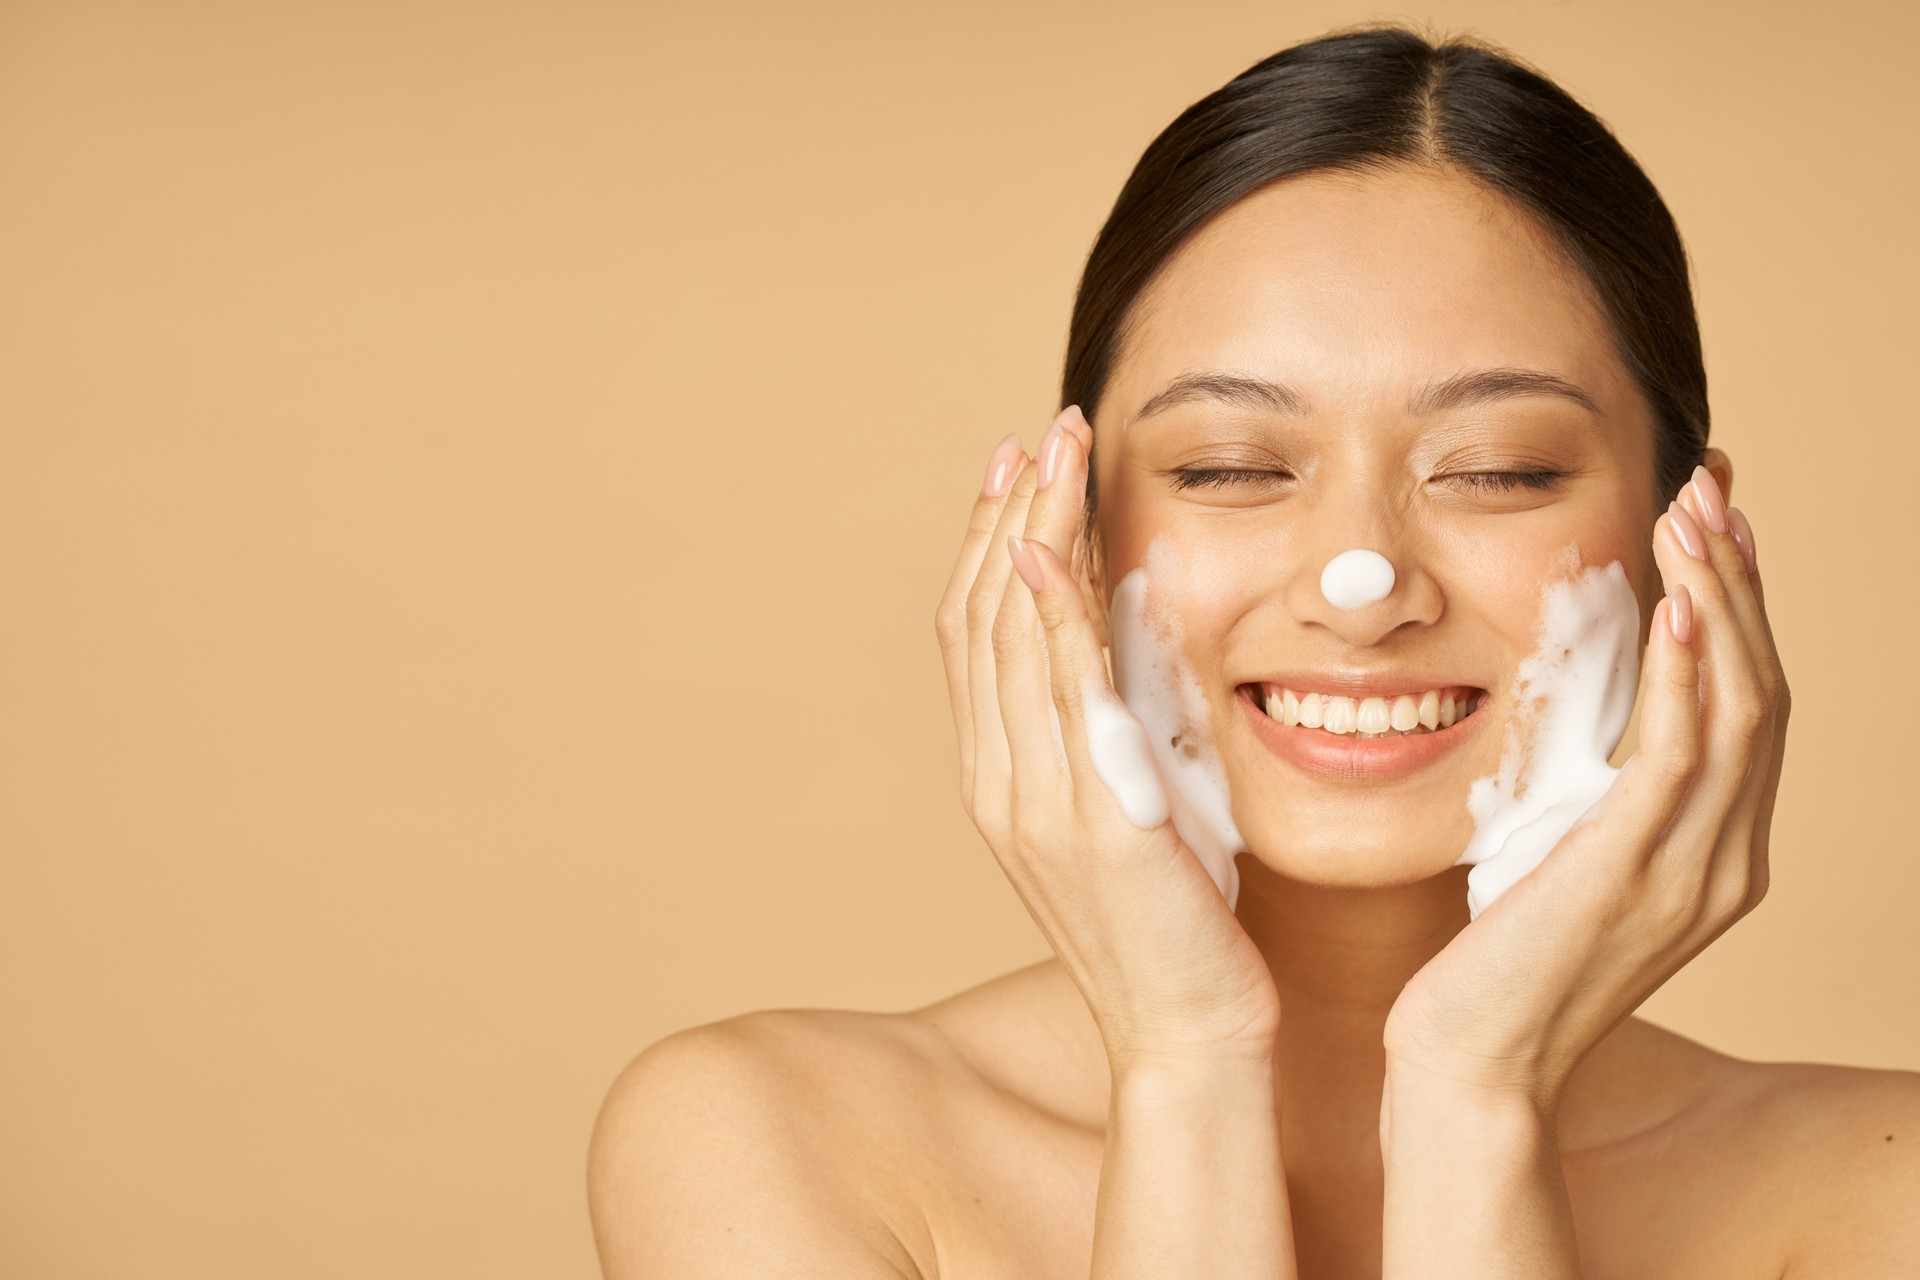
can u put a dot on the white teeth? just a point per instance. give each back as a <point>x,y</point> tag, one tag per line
<point>1371,717</point>
<point>1406,712</point>
<point>1341,715</point>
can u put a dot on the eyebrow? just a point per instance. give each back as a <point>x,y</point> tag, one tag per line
<point>1476,386</point>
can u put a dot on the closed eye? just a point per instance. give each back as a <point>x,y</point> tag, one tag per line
<point>1508,479</point>
<point>1204,477</point>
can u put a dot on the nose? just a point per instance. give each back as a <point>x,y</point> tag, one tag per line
<point>1365,590</point>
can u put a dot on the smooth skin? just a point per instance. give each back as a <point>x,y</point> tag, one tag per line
<point>1340,1078</point>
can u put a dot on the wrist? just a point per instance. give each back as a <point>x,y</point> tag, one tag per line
<point>1469,1090</point>
<point>1189,1072</point>
<point>1428,1117</point>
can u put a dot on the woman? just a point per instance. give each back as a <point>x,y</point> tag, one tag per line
<point>1384,380</point>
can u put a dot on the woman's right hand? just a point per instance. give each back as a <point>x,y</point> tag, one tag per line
<point>1156,952</point>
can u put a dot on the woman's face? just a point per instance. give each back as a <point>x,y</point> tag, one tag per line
<point>1361,293</point>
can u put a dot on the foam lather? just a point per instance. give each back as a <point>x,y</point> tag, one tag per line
<point>1570,702</point>
<point>1166,704</point>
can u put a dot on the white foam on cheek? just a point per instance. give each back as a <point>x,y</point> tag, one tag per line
<point>1166,715</point>
<point>1356,579</point>
<point>1580,679</point>
<point>1117,744</point>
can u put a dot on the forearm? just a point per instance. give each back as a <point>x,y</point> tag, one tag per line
<point>1473,1185</point>
<point>1192,1183</point>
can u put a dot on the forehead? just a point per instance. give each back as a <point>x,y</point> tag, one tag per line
<point>1360,288</point>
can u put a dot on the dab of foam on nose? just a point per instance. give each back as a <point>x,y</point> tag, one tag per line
<point>1356,579</point>
<point>1581,677</point>
<point>1154,752</point>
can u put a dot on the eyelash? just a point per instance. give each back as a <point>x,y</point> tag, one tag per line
<point>1195,477</point>
<point>1510,479</point>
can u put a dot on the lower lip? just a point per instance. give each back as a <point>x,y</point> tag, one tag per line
<point>1354,759</point>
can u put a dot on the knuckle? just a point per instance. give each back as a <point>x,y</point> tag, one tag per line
<point>1727,900</point>
<point>1748,718</point>
<point>1675,769</point>
<point>982,604</point>
<point>1068,697</point>
<point>985,517</point>
<point>950,624</point>
<point>1676,902</point>
<point>1007,637</point>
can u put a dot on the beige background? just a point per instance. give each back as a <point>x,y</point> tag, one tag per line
<point>476,481</point>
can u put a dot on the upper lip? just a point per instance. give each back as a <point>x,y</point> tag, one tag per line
<point>1355,682</point>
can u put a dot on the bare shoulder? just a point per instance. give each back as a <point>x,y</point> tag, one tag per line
<point>772,1143</point>
<point>1841,1147</point>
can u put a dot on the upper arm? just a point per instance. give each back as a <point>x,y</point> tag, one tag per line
<point>707,1160</point>
<point>1860,1155</point>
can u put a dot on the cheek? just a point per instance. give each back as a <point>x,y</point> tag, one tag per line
<point>1201,582</point>
<point>1503,567</point>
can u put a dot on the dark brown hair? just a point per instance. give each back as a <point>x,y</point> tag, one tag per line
<point>1381,95</point>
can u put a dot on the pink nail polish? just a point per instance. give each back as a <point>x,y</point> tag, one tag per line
<point>1025,563</point>
<point>1680,613</point>
<point>1049,453</point>
<point>1081,428</point>
<point>1711,502</point>
<point>1743,534</point>
<point>1692,540</point>
<point>1002,466</point>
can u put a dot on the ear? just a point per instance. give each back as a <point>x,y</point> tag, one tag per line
<point>1720,467</point>
<point>1090,571</point>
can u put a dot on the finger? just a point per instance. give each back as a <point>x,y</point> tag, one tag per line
<point>1076,669</point>
<point>1072,650</point>
<point>1735,723</point>
<point>1654,781</point>
<point>991,760</point>
<point>1740,863</point>
<point>1036,744</point>
<point>1754,809</point>
<point>1058,501</point>
<point>1729,549</point>
<point>950,618</point>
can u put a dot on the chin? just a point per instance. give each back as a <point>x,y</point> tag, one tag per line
<point>1330,854</point>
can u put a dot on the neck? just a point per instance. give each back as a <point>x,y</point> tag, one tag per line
<point>1339,958</point>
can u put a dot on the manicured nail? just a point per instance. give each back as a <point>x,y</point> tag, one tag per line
<point>1692,540</point>
<point>1680,613</point>
<point>1709,502</point>
<point>1081,428</point>
<point>1743,534</point>
<point>1002,466</point>
<point>1049,452</point>
<point>1025,563</point>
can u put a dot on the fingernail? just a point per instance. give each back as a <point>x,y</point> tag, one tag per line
<point>1049,453</point>
<point>1025,563</point>
<point>1709,501</point>
<point>1680,613</point>
<point>1003,464</point>
<point>1081,428</point>
<point>1692,540</point>
<point>1743,534</point>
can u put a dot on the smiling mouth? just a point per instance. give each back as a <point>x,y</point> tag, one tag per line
<point>1404,716</point>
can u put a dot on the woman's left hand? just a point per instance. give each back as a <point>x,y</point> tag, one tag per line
<point>1674,853</point>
